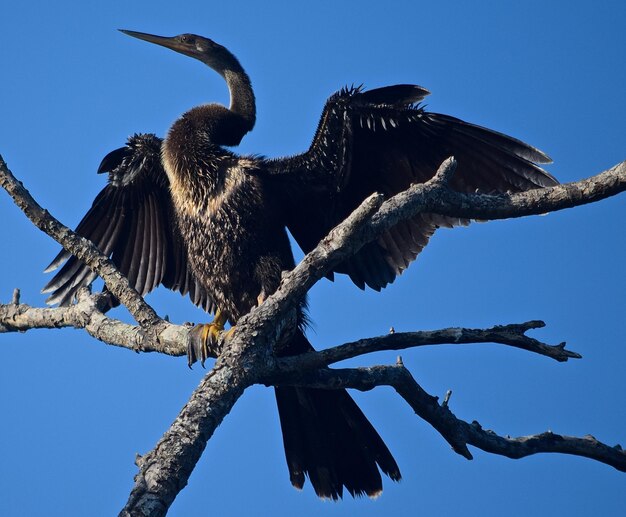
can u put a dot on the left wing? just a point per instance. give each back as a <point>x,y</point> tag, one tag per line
<point>131,221</point>
<point>382,141</point>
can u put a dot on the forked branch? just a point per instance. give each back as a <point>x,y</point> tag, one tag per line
<point>458,433</point>
<point>247,359</point>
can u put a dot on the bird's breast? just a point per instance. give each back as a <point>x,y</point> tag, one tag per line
<point>204,182</point>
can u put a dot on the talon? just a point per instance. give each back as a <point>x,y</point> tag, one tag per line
<point>204,337</point>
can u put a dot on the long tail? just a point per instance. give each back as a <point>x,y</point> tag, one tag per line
<point>328,439</point>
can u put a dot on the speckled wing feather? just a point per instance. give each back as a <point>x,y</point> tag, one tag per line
<point>382,141</point>
<point>131,221</point>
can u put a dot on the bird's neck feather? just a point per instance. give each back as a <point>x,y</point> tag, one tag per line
<point>242,100</point>
<point>241,95</point>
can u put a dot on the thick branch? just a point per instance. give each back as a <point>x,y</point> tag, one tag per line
<point>87,313</point>
<point>164,471</point>
<point>531,202</point>
<point>436,197</point>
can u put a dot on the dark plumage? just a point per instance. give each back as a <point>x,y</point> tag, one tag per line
<point>191,215</point>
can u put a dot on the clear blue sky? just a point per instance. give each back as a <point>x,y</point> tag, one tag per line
<point>74,412</point>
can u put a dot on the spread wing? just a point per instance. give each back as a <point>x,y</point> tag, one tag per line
<point>382,141</point>
<point>131,221</point>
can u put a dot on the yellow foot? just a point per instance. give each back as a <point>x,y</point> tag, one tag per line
<point>204,338</point>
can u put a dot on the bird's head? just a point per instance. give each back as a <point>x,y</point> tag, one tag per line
<point>204,49</point>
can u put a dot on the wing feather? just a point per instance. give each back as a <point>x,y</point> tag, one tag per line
<point>132,221</point>
<point>381,141</point>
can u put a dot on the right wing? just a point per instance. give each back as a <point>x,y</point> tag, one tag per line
<point>382,141</point>
<point>131,221</point>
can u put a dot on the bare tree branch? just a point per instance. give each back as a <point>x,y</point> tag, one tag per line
<point>432,196</point>
<point>165,470</point>
<point>458,433</point>
<point>512,335</point>
<point>345,239</point>
<point>246,357</point>
<point>435,196</point>
<point>86,314</point>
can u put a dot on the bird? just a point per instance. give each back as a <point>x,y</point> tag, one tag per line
<point>188,213</point>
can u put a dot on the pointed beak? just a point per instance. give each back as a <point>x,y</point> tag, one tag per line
<point>172,43</point>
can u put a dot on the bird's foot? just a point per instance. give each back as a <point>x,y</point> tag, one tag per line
<point>204,339</point>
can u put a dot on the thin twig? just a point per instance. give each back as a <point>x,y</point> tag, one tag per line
<point>510,335</point>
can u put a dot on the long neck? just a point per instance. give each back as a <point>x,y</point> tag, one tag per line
<point>241,95</point>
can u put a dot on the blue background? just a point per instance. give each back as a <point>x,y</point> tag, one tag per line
<point>74,412</point>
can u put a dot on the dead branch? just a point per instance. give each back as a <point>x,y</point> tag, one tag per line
<point>432,196</point>
<point>458,433</point>
<point>246,358</point>
<point>512,335</point>
<point>165,470</point>
<point>435,196</point>
<point>86,314</point>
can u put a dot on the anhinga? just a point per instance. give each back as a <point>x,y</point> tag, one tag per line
<point>190,214</point>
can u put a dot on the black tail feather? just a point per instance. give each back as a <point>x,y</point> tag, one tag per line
<point>328,439</point>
